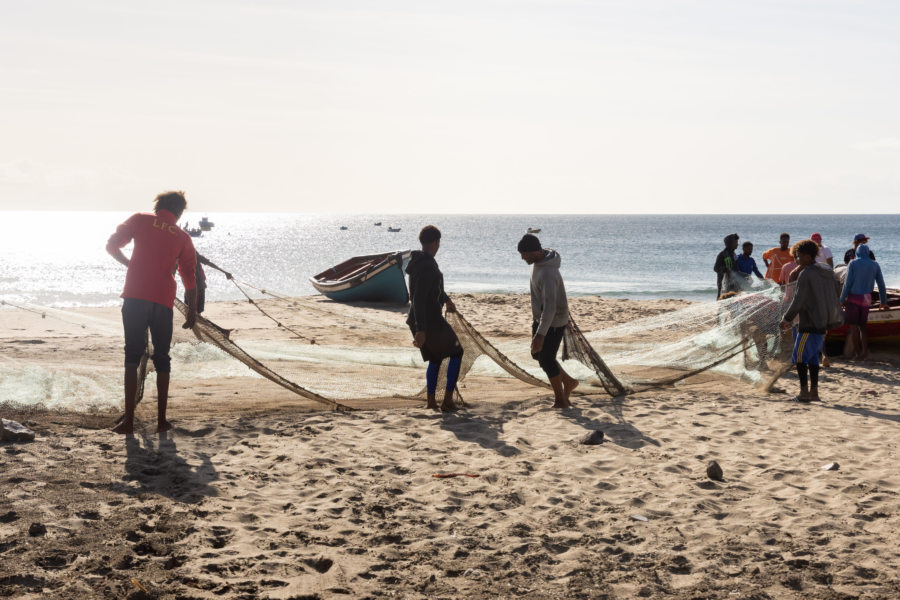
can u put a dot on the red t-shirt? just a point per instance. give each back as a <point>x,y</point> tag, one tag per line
<point>159,244</point>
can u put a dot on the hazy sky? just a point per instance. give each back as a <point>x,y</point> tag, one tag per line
<point>459,106</point>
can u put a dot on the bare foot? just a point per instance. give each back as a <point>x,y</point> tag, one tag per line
<point>814,396</point>
<point>449,406</point>
<point>164,427</point>
<point>432,405</point>
<point>563,404</point>
<point>569,385</point>
<point>801,397</point>
<point>121,428</point>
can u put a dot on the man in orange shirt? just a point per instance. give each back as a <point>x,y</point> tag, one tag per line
<point>776,258</point>
<point>149,294</point>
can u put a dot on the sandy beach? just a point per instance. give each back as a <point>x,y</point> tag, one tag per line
<point>259,494</point>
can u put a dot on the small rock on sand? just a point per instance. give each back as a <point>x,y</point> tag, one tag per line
<point>10,431</point>
<point>714,471</point>
<point>592,438</point>
<point>832,466</point>
<point>37,529</point>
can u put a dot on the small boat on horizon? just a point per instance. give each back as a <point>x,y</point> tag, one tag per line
<point>378,224</point>
<point>533,230</point>
<point>344,228</point>
<point>369,278</point>
<point>192,231</point>
<point>393,229</point>
<point>206,224</point>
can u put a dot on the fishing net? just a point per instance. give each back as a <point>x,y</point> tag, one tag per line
<point>739,337</point>
<point>337,356</point>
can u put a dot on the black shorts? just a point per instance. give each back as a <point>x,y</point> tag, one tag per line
<point>547,356</point>
<point>139,316</point>
<point>440,343</point>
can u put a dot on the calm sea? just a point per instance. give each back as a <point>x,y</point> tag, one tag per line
<point>58,258</point>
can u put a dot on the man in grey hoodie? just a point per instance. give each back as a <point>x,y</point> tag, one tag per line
<point>550,311</point>
<point>816,301</point>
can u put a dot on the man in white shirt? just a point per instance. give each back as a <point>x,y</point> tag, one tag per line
<point>824,255</point>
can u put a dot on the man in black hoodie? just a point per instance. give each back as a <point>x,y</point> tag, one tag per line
<point>726,262</point>
<point>432,334</point>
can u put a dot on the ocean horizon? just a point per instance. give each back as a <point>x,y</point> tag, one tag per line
<point>59,258</point>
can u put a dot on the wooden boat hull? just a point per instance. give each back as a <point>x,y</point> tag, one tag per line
<point>371,278</point>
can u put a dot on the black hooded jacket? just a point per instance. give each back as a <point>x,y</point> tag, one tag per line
<point>426,292</point>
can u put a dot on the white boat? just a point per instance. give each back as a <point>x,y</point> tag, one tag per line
<point>533,230</point>
<point>393,229</point>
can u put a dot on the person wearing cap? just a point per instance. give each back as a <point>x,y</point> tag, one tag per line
<point>726,263</point>
<point>859,238</point>
<point>825,255</point>
<point>550,313</point>
<point>856,297</point>
<point>776,258</point>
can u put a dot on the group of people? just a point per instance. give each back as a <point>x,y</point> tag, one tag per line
<point>161,249</point>
<point>816,300</point>
<point>437,341</point>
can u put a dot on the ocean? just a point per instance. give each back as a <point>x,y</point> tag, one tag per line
<point>59,259</point>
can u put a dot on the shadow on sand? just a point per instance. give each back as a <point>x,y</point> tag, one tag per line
<point>486,430</point>
<point>621,432</point>
<point>482,429</point>
<point>154,462</point>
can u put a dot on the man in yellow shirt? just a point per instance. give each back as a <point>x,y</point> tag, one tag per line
<point>776,258</point>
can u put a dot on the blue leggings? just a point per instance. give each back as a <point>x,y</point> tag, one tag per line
<point>431,375</point>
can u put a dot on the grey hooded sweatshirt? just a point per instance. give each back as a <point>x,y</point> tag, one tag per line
<point>549,305</point>
<point>816,300</point>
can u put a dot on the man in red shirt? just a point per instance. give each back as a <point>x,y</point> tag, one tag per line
<point>159,244</point>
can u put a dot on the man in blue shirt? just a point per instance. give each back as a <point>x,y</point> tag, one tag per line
<point>746,264</point>
<point>856,298</point>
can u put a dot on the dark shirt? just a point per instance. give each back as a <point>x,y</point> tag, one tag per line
<point>426,292</point>
<point>725,261</point>
<point>851,254</point>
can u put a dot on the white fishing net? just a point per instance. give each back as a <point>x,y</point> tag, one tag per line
<point>315,351</point>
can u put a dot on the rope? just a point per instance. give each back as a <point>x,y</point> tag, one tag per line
<point>43,313</point>
<point>267,315</point>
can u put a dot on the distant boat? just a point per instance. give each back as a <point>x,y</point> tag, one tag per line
<point>370,278</point>
<point>206,224</point>
<point>378,224</point>
<point>532,230</point>
<point>344,228</point>
<point>393,229</point>
<point>192,231</point>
